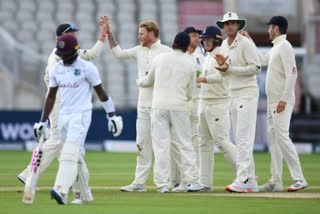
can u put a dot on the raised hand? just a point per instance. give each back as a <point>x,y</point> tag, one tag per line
<point>220,59</point>
<point>105,23</point>
<point>245,33</point>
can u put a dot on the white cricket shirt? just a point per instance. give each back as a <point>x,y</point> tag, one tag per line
<point>173,81</point>
<point>144,57</point>
<point>244,65</point>
<point>282,71</point>
<point>75,83</point>
<point>217,87</point>
<point>87,54</point>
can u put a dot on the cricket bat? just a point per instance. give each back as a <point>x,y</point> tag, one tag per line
<point>33,174</point>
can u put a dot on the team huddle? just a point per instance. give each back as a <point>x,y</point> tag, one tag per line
<point>186,102</point>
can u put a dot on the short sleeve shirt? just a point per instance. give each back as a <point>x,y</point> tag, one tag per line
<point>75,82</point>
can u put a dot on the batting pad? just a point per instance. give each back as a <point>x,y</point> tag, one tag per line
<point>68,166</point>
<point>82,181</point>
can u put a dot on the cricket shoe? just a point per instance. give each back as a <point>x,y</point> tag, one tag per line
<point>78,201</point>
<point>297,185</point>
<point>237,186</point>
<point>173,185</point>
<point>270,187</point>
<point>252,186</point>
<point>59,197</point>
<point>194,187</point>
<point>163,190</point>
<point>23,178</point>
<point>134,188</point>
<point>207,189</point>
<point>181,188</point>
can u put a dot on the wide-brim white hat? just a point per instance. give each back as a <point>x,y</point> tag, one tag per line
<point>231,16</point>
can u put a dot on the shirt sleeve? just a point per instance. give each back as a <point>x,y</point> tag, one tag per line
<point>52,79</point>
<point>214,78</point>
<point>148,80</point>
<point>253,66</point>
<point>192,85</point>
<point>119,53</point>
<point>264,58</point>
<point>290,71</point>
<point>93,53</point>
<point>93,76</point>
<point>52,60</point>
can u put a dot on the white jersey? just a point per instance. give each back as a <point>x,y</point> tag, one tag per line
<point>75,82</point>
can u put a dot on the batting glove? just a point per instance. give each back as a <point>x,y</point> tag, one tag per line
<point>41,129</point>
<point>115,125</point>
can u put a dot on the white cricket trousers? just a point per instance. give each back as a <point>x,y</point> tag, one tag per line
<point>281,146</point>
<point>214,129</point>
<point>175,155</point>
<point>243,117</point>
<point>144,145</point>
<point>162,121</point>
<point>53,145</point>
<point>73,129</point>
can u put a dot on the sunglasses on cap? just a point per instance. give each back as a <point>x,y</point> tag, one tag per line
<point>72,27</point>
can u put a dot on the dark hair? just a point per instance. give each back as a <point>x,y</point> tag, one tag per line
<point>181,41</point>
<point>283,29</point>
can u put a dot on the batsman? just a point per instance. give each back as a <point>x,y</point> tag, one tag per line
<point>74,77</point>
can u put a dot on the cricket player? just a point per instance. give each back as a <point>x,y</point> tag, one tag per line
<point>150,47</point>
<point>193,107</point>
<point>173,79</point>
<point>280,82</point>
<point>53,145</point>
<point>242,65</point>
<point>74,78</point>
<point>214,114</point>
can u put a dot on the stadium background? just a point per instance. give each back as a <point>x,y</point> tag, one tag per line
<point>27,37</point>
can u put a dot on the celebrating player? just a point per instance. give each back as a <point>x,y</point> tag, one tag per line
<point>214,119</point>
<point>193,111</point>
<point>243,65</point>
<point>74,78</point>
<point>150,47</point>
<point>174,81</point>
<point>280,82</point>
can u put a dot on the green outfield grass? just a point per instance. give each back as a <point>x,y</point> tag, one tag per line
<point>112,170</point>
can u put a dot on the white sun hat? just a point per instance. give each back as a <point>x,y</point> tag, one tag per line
<point>231,16</point>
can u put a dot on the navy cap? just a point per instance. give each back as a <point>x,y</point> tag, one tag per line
<point>66,45</point>
<point>64,28</point>
<point>211,32</point>
<point>279,21</point>
<point>192,30</point>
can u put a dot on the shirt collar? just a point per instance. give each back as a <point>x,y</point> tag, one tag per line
<point>214,52</point>
<point>279,39</point>
<point>155,45</point>
<point>236,40</point>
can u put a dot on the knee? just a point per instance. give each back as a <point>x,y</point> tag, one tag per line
<point>70,152</point>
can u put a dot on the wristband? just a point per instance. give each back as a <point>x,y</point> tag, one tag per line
<point>104,34</point>
<point>43,123</point>
<point>108,106</point>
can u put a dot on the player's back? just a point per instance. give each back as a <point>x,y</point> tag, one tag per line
<point>173,79</point>
<point>75,82</point>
